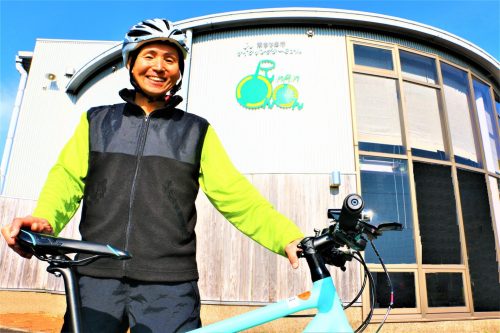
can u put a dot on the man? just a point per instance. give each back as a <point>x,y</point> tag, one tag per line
<point>138,166</point>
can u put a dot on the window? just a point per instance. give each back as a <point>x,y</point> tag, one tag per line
<point>437,216</point>
<point>456,93</point>
<point>373,57</point>
<point>377,114</point>
<point>440,235</point>
<point>418,67</point>
<point>488,124</point>
<point>480,240</point>
<point>385,189</point>
<point>424,122</point>
<point>403,284</point>
<point>445,289</point>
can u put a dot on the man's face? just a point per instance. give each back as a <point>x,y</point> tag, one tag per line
<point>156,69</point>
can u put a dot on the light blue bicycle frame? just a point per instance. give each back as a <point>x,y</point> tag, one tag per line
<point>323,296</point>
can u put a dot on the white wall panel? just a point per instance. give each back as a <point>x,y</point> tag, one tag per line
<point>314,139</point>
<point>103,88</point>
<point>48,115</point>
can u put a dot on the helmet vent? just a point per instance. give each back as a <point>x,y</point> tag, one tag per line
<point>152,26</point>
<point>137,33</point>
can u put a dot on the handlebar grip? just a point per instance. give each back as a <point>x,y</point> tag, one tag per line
<point>351,211</point>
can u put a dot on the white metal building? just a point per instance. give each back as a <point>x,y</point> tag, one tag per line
<point>406,113</point>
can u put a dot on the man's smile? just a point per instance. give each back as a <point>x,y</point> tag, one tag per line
<point>156,78</point>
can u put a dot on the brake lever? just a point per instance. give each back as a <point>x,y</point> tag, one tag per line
<point>370,230</point>
<point>373,232</point>
<point>394,226</point>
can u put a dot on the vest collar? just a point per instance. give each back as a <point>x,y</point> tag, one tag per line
<point>128,95</point>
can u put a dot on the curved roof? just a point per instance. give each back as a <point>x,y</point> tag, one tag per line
<point>331,17</point>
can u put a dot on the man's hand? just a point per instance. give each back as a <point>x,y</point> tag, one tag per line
<point>291,252</point>
<point>35,224</point>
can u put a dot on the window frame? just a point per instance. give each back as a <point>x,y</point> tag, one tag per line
<point>374,70</point>
<point>473,77</point>
<point>378,314</point>
<point>476,132</point>
<point>390,74</point>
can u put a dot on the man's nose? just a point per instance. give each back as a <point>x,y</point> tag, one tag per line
<point>159,64</point>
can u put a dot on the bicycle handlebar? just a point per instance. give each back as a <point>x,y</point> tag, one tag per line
<point>350,229</point>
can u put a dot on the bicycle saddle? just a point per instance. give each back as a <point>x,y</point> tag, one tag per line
<point>43,244</point>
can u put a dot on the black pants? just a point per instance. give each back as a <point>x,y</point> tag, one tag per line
<point>114,305</point>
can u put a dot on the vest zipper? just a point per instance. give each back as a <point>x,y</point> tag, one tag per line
<point>141,144</point>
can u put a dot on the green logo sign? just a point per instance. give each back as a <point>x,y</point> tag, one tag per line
<point>256,91</point>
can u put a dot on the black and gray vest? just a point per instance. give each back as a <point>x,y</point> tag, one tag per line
<point>140,191</point>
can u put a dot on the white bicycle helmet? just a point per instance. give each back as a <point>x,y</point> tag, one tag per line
<point>150,31</point>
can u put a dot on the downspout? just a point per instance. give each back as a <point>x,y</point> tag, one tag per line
<point>13,123</point>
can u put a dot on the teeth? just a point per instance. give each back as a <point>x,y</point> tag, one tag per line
<point>157,79</point>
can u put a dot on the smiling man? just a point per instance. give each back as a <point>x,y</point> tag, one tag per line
<point>137,167</point>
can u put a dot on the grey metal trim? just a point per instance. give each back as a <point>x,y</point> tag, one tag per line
<point>324,16</point>
<point>92,67</point>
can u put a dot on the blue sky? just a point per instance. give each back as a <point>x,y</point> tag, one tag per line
<point>22,22</point>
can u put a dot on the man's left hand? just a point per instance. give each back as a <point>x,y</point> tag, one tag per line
<point>291,252</point>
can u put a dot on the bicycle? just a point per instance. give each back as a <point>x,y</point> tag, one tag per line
<point>341,241</point>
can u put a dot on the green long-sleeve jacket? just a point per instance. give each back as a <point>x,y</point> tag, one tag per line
<point>138,177</point>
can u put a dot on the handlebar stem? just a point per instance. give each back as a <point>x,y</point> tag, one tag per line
<point>315,261</point>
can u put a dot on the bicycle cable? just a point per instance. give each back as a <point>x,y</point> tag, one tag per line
<point>368,318</point>
<point>360,290</point>
<point>391,300</point>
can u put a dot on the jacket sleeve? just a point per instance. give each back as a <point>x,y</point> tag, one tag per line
<point>239,201</point>
<point>63,190</point>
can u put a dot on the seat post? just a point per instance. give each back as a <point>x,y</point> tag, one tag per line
<point>72,292</point>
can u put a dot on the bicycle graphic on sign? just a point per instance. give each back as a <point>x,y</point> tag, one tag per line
<point>256,91</point>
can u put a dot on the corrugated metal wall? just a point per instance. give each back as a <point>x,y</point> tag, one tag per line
<point>48,116</point>
<point>314,139</point>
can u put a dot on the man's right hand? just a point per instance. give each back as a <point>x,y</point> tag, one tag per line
<point>35,224</point>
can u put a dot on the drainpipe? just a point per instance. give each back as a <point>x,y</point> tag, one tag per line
<point>13,123</point>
